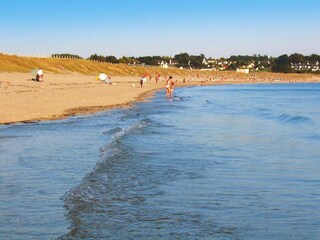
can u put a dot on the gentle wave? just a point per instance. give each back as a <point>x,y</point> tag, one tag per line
<point>283,118</point>
<point>293,119</point>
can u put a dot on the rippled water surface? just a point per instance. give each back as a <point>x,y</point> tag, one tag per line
<point>219,162</point>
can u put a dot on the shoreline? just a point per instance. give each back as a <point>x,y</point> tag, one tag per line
<point>89,110</point>
<point>62,95</point>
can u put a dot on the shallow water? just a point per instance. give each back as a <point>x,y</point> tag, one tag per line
<point>218,162</point>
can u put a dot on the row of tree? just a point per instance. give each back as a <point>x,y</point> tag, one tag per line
<point>283,63</point>
<point>146,60</point>
<point>180,60</point>
<point>65,55</point>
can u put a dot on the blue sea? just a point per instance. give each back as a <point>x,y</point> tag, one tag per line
<point>216,162</point>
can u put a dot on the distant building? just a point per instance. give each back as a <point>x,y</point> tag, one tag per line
<point>211,61</point>
<point>251,65</point>
<point>164,64</point>
<point>172,63</point>
<point>307,66</point>
<point>243,70</point>
<point>204,61</point>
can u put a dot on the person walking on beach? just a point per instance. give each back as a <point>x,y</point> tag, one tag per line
<point>169,87</point>
<point>143,80</point>
<point>157,78</point>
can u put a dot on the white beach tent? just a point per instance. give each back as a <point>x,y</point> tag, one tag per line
<point>103,77</point>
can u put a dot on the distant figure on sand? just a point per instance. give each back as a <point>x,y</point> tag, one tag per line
<point>143,80</point>
<point>104,78</point>
<point>158,78</point>
<point>169,87</point>
<point>39,76</point>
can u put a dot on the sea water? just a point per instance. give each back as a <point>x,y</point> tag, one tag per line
<point>216,162</point>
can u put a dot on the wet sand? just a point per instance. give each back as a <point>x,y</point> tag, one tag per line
<point>60,95</point>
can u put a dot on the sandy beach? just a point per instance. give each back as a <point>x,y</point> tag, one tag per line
<point>62,95</point>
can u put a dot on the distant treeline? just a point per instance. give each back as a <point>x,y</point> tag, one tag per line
<point>65,55</point>
<point>285,63</point>
<point>180,60</point>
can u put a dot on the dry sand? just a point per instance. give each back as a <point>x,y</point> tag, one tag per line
<point>62,95</point>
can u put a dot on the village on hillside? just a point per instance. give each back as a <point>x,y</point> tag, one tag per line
<point>294,63</point>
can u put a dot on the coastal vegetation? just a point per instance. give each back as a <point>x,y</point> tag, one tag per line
<point>294,63</point>
<point>13,63</point>
<point>181,64</point>
<point>65,55</point>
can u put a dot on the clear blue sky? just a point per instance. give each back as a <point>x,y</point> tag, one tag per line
<point>216,28</point>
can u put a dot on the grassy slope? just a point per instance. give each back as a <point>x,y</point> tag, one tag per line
<point>12,63</point>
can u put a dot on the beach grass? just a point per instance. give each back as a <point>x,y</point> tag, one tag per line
<point>13,63</point>
<point>20,64</point>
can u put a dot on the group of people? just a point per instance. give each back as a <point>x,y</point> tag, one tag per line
<point>169,87</point>
<point>143,79</point>
<point>169,83</point>
<point>107,79</point>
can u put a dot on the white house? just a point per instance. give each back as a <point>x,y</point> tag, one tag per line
<point>164,64</point>
<point>204,61</point>
<point>245,70</point>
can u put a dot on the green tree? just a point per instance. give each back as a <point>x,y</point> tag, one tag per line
<point>296,58</point>
<point>182,59</point>
<point>281,64</point>
<point>313,58</point>
<point>127,60</point>
<point>150,60</point>
<point>196,61</point>
<point>111,59</point>
<point>96,57</point>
